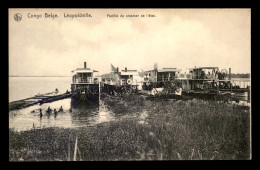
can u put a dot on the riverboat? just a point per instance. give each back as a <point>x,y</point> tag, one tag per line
<point>206,82</point>
<point>85,86</point>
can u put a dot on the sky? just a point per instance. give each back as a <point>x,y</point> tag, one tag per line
<point>178,38</point>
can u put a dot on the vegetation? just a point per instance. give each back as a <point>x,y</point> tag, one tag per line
<point>162,130</point>
<point>238,75</point>
<point>130,103</point>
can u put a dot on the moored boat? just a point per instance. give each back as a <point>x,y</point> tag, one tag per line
<point>85,86</point>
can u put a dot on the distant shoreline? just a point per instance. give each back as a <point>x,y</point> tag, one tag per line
<point>39,76</point>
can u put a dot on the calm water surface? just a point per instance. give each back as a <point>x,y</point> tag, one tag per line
<point>25,119</point>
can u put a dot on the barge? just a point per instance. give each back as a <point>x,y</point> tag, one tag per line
<point>207,82</point>
<point>38,99</point>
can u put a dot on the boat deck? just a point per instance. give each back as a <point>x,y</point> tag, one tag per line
<point>38,99</point>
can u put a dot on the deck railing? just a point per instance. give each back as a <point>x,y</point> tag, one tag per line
<point>82,80</point>
<point>181,75</point>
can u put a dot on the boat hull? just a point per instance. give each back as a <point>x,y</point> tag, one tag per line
<point>85,94</point>
<point>210,95</point>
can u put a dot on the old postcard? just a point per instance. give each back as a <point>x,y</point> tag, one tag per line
<point>129,84</point>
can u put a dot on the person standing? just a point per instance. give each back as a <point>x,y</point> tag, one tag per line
<point>61,109</point>
<point>55,113</point>
<point>40,113</point>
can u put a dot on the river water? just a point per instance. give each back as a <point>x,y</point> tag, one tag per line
<point>25,119</point>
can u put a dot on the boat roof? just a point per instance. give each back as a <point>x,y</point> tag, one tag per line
<point>83,70</point>
<point>129,70</point>
<point>204,68</point>
<point>168,70</point>
<point>123,73</point>
<point>165,70</point>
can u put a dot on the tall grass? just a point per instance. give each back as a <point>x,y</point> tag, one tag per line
<point>213,130</point>
<point>131,103</point>
<point>184,130</point>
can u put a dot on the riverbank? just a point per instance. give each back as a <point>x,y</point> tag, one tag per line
<point>162,130</point>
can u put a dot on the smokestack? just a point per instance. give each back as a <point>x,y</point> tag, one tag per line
<point>85,65</point>
<point>155,66</point>
<point>126,69</point>
<point>117,69</point>
<point>229,73</point>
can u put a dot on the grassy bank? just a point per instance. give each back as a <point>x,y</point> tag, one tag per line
<point>169,130</point>
<point>125,105</point>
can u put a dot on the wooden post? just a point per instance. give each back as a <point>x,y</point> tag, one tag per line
<point>75,149</point>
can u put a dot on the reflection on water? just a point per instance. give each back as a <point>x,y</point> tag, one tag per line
<point>28,118</point>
